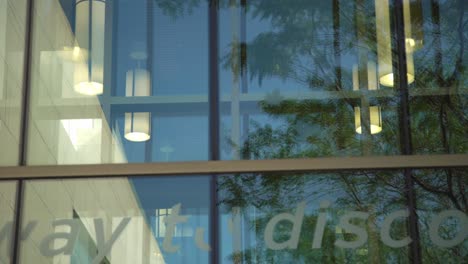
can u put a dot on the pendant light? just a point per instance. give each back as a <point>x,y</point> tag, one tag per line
<point>138,83</point>
<point>384,44</point>
<point>375,112</point>
<point>137,126</point>
<point>89,31</point>
<point>413,19</point>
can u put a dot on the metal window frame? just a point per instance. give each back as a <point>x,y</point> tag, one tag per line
<point>235,166</point>
<point>214,167</point>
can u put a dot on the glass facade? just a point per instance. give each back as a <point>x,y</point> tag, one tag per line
<point>116,220</point>
<point>233,131</point>
<point>345,217</point>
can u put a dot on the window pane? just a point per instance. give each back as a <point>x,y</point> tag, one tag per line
<point>439,98</point>
<point>119,220</point>
<point>313,218</point>
<point>7,213</point>
<point>305,79</point>
<point>320,78</point>
<point>12,45</point>
<point>119,81</point>
<point>442,211</point>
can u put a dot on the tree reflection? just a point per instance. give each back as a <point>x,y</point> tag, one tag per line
<point>312,44</point>
<point>298,48</point>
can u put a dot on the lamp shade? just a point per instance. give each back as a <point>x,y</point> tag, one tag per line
<point>138,83</point>
<point>89,31</point>
<point>138,124</point>
<point>413,19</point>
<point>384,46</point>
<point>375,114</point>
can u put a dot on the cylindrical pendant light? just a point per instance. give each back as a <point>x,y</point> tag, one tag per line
<point>384,46</point>
<point>375,112</point>
<point>138,124</point>
<point>413,19</point>
<point>89,31</point>
<point>138,83</point>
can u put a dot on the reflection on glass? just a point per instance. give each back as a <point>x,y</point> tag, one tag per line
<point>12,39</point>
<point>7,213</point>
<point>384,43</point>
<point>314,218</point>
<point>439,120</point>
<point>412,14</point>
<point>287,68</point>
<point>304,85</point>
<point>286,76</point>
<point>138,83</point>
<point>375,112</point>
<point>125,65</point>
<point>345,217</point>
<point>443,214</point>
<point>138,220</point>
<point>137,126</point>
<point>90,32</point>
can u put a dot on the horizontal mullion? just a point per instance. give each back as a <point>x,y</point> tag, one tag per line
<point>237,166</point>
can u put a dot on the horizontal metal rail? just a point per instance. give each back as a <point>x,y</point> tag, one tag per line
<point>238,166</point>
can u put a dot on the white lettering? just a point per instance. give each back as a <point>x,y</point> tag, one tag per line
<point>346,225</point>
<point>293,240</point>
<point>439,219</point>
<point>171,221</point>
<point>69,237</point>
<point>385,231</point>
<point>103,246</point>
<point>320,226</point>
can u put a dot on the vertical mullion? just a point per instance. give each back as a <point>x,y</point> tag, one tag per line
<point>17,222</point>
<point>213,108</point>
<point>23,144</point>
<point>213,82</point>
<point>149,68</point>
<point>27,65</point>
<point>405,132</point>
<point>109,80</point>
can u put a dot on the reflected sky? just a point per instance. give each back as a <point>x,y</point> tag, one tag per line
<point>305,76</point>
